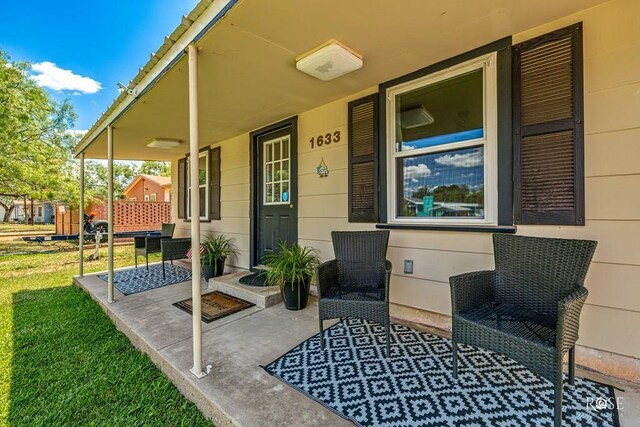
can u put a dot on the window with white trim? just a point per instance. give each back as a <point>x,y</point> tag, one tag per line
<point>153,197</point>
<point>203,185</point>
<point>442,145</point>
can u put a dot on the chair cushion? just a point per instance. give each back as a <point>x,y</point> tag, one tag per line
<point>355,294</point>
<point>514,320</point>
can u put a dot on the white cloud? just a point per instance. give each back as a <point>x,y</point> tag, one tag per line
<point>51,76</point>
<point>466,160</point>
<point>419,171</point>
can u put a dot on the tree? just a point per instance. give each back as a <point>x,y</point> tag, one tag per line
<point>155,168</point>
<point>420,193</point>
<point>96,178</point>
<point>35,145</point>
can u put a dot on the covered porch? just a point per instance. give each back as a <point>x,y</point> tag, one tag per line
<point>238,391</point>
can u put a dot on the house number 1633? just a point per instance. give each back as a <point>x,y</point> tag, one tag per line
<point>326,139</point>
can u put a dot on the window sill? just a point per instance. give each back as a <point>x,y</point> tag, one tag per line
<point>470,228</point>
<point>202,220</point>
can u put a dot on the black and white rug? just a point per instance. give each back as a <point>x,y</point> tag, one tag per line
<point>415,387</point>
<point>134,280</point>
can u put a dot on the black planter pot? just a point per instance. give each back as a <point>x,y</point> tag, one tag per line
<point>213,270</point>
<point>295,297</point>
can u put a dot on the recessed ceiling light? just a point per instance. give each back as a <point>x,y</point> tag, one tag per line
<point>329,61</point>
<point>163,143</point>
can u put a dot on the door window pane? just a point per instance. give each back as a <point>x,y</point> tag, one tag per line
<point>443,184</point>
<point>276,150</point>
<point>276,170</point>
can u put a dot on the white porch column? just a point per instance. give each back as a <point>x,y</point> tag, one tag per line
<point>110,213</point>
<point>81,220</point>
<point>195,211</point>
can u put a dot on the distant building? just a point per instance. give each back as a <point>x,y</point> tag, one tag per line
<point>428,208</point>
<point>149,188</point>
<point>43,212</point>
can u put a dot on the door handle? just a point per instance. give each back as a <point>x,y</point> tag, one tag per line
<point>291,206</point>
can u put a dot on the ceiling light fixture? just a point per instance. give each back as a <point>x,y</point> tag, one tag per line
<point>164,143</point>
<point>416,117</point>
<point>329,61</point>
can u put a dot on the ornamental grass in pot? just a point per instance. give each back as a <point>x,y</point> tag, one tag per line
<point>291,268</point>
<point>216,251</point>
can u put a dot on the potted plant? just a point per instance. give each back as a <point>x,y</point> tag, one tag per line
<point>291,268</point>
<point>216,250</point>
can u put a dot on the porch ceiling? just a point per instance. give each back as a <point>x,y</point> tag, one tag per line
<point>247,74</point>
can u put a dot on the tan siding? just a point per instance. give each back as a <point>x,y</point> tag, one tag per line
<point>613,197</point>
<point>235,209</point>
<point>612,109</point>
<point>233,192</point>
<point>613,153</point>
<point>443,240</point>
<point>610,329</point>
<point>611,69</point>
<point>614,285</point>
<point>437,265</point>
<point>423,294</point>
<point>312,184</point>
<point>328,206</point>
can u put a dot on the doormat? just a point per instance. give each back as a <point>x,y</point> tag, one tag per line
<point>415,386</point>
<point>254,279</point>
<point>215,305</point>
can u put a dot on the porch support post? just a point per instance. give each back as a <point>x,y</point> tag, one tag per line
<point>195,211</point>
<point>81,220</point>
<point>110,213</point>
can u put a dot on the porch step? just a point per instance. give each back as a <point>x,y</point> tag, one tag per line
<point>261,296</point>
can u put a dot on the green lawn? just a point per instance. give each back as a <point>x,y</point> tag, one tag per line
<point>9,228</point>
<point>62,362</point>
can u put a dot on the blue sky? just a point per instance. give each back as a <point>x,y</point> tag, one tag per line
<point>93,44</point>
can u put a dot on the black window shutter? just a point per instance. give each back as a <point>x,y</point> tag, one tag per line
<point>214,183</point>
<point>548,129</point>
<point>182,187</point>
<point>363,165</point>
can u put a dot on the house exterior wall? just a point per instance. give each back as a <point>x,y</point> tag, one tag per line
<point>612,132</point>
<point>138,190</point>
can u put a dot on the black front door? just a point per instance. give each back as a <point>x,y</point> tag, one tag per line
<point>274,190</point>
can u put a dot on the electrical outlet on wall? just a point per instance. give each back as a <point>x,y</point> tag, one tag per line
<point>408,266</point>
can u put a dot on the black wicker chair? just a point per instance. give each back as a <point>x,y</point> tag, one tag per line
<point>528,308</point>
<point>174,249</point>
<point>356,282</point>
<point>149,245</point>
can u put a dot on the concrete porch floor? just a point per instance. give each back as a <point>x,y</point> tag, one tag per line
<point>238,391</point>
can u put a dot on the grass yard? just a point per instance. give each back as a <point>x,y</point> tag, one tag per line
<point>62,362</point>
<point>9,228</point>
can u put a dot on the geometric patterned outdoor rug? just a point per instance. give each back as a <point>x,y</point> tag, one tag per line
<point>134,280</point>
<point>414,387</point>
<point>215,305</point>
